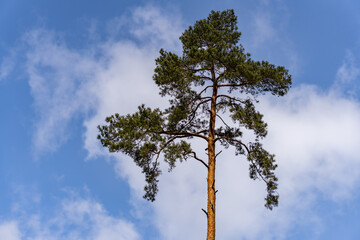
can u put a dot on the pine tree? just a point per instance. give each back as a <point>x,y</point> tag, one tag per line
<point>213,78</point>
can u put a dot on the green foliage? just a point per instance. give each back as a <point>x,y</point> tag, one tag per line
<point>212,61</point>
<point>137,135</point>
<point>262,164</point>
<point>246,115</point>
<point>176,151</point>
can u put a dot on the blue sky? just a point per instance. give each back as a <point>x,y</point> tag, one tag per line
<point>65,66</point>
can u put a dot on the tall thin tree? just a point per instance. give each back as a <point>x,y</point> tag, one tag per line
<point>213,78</point>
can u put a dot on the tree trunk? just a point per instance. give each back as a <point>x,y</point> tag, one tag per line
<point>211,164</point>
<point>211,192</point>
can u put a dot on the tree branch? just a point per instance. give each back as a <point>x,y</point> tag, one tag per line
<point>248,150</point>
<point>230,85</point>
<point>205,212</point>
<point>195,70</point>
<point>161,149</point>
<point>185,134</point>
<point>202,102</point>
<point>198,98</point>
<point>206,77</point>
<point>222,120</point>
<point>221,74</point>
<point>200,160</point>
<point>204,90</point>
<point>194,112</point>
<point>235,140</point>
<point>218,154</point>
<point>231,98</point>
<point>260,174</point>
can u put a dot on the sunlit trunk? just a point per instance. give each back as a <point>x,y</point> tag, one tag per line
<point>211,171</point>
<point>211,192</point>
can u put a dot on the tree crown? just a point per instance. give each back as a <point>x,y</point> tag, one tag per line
<point>212,60</point>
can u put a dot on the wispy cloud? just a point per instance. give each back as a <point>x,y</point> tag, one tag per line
<point>348,75</point>
<point>66,83</point>
<point>9,230</point>
<point>58,79</point>
<point>152,24</point>
<point>266,34</point>
<point>73,219</point>
<point>7,65</point>
<point>263,29</point>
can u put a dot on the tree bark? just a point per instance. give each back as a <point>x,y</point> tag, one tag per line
<point>211,170</point>
<point>211,192</point>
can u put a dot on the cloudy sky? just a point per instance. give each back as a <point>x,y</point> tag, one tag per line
<point>66,65</point>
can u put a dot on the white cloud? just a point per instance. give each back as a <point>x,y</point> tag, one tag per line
<point>74,219</point>
<point>158,27</point>
<point>9,231</point>
<point>120,87</point>
<point>6,66</point>
<point>266,36</point>
<point>58,79</point>
<point>266,24</point>
<point>349,71</point>
<point>314,135</point>
<point>90,216</point>
<point>263,29</point>
<point>347,79</point>
<point>66,83</point>
<point>71,218</point>
<point>323,128</point>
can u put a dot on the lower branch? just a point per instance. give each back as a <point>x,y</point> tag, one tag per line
<point>207,215</point>
<point>223,120</point>
<point>218,154</point>
<point>195,157</point>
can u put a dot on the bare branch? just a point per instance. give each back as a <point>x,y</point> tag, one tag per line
<point>204,90</point>
<point>200,160</point>
<point>218,154</point>
<point>198,98</point>
<point>194,112</point>
<point>222,120</point>
<point>205,212</point>
<point>202,102</point>
<point>248,150</point>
